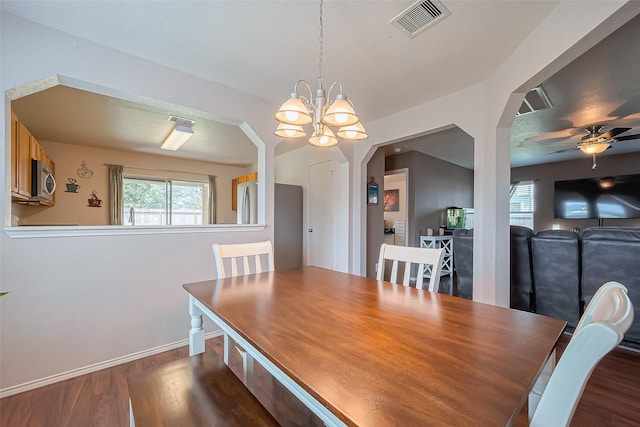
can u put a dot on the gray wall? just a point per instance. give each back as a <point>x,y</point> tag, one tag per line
<point>434,185</point>
<point>375,213</point>
<point>545,176</point>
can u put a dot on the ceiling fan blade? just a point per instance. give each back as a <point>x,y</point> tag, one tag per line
<point>613,132</point>
<point>628,137</point>
<point>563,150</point>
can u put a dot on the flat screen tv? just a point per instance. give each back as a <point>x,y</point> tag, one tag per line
<point>604,197</point>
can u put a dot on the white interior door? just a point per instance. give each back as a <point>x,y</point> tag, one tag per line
<point>320,220</point>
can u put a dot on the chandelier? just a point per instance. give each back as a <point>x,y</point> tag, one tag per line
<point>321,112</point>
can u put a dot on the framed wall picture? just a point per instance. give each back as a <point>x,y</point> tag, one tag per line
<point>372,192</point>
<point>392,200</point>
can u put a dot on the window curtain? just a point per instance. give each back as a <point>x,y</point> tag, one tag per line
<point>115,194</point>
<point>212,199</point>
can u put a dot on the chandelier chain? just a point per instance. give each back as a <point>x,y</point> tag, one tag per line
<point>321,40</point>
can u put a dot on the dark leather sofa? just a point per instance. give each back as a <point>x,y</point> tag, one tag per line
<point>463,262</point>
<point>613,253</point>
<point>565,270</point>
<point>555,257</point>
<point>521,275</point>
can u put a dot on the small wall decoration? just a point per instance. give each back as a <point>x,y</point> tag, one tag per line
<point>94,202</point>
<point>72,187</point>
<point>391,200</point>
<point>372,192</point>
<point>84,172</point>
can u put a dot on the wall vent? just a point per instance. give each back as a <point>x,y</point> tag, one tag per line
<point>420,16</point>
<point>535,100</point>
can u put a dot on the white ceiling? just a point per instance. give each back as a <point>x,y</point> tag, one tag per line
<point>263,47</point>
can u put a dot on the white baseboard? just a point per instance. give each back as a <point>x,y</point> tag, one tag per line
<point>9,391</point>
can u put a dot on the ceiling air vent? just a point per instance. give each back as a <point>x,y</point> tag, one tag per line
<point>535,100</point>
<point>420,16</point>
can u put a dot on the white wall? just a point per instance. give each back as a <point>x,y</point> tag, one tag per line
<point>83,300</point>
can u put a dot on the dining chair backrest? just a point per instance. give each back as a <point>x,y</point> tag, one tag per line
<point>600,330</point>
<point>421,257</point>
<point>243,258</point>
<point>610,303</point>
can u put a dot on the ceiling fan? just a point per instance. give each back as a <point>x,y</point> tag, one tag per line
<point>595,142</point>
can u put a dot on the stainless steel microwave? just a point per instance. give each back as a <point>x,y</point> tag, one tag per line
<point>43,184</point>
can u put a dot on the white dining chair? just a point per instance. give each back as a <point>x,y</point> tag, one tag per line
<point>411,256</point>
<point>608,316</point>
<point>237,260</point>
<point>243,258</point>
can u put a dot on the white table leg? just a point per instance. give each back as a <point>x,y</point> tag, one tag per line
<point>196,334</point>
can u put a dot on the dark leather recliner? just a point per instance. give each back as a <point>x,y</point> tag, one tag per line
<point>522,291</point>
<point>555,258</point>
<point>463,262</point>
<point>613,253</point>
<point>521,281</point>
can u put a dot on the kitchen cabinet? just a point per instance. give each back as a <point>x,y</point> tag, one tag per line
<point>14,153</point>
<point>234,187</point>
<point>20,160</point>
<point>24,148</point>
<point>234,194</point>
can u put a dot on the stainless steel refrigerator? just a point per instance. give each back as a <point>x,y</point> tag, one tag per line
<point>248,203</point>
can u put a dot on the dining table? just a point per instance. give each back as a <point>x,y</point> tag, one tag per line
<point>364,352</point>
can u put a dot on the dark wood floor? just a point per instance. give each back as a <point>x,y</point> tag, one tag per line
<point>612,397</point>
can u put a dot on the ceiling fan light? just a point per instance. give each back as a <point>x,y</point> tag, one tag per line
<point>325,138</point>
<point>594,148</point>
<point>290,131</point>
<point>353,133</point>
<point>293,112</point>
<point>340,113</point>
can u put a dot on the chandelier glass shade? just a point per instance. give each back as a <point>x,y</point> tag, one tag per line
<point>320,111</point>
<point>290,131</point>
<point>325,138</point>
<point>354,132</point>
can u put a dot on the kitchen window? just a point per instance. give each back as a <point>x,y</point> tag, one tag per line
<point>164,202</point>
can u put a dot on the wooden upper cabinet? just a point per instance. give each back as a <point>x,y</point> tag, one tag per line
<point>25,147</point>
<point>23,166</point>
<point>234,194</point>
<point>37,153</point>
<point>14,153</point>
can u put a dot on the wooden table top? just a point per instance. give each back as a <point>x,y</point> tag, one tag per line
<point>380,354</point>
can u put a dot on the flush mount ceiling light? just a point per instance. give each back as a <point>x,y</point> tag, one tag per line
<point>179,135</point>
<point>320,111</point>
